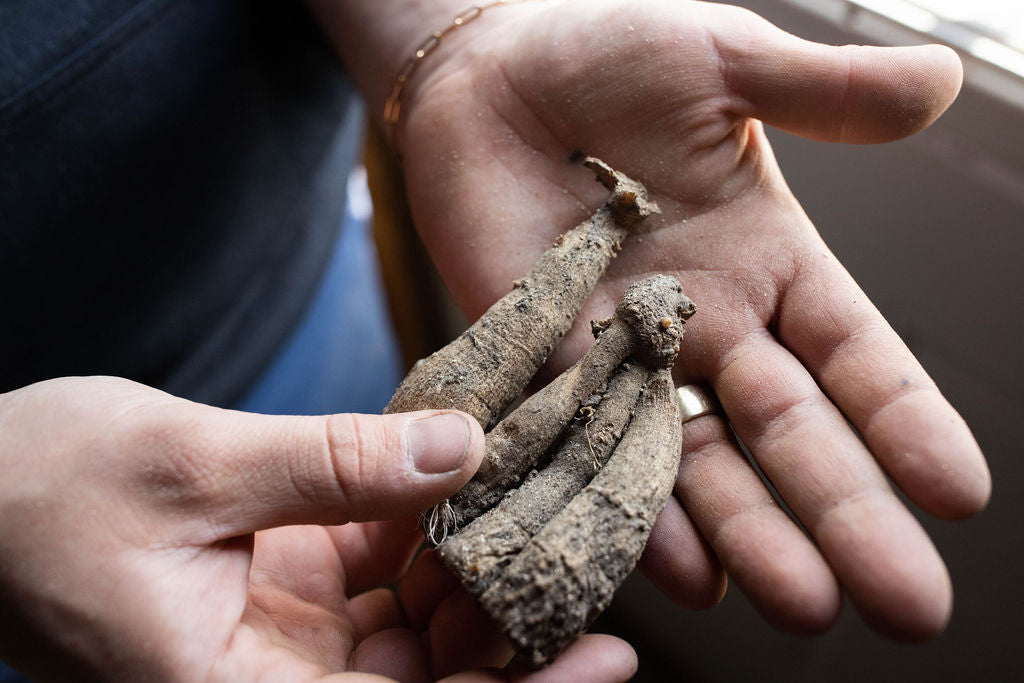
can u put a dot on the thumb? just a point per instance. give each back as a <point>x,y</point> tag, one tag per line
<point>250,472</point>
<point>852,93</point>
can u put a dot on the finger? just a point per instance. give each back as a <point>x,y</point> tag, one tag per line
<point>678,561</point>
<point>356,677</point>
<point>396,653</point>
<point>764,553</point>
<point>424,587</point>
<point>375,553</point>
<point>242,472</point>
<point>882,557</point>
<point>867,370</point>
<point>592,657</point>
<point>839,94</point>
<point>373,611</point>
<point>462,636</point>
<point>595,658</point>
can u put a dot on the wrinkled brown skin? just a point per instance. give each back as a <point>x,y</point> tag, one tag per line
<point>544,591</point>
<point>478,553</point>
<point>569,571</point>
<point>481,372</point>
<point>519,441</point>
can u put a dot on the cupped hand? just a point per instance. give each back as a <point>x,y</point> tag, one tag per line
<point>144,537</point>
<point>826,396</point>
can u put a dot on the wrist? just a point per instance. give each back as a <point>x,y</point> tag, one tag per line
<point>378,42</point>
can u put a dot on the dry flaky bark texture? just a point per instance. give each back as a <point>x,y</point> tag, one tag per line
<point>486,368</point>
<point>548,558</point>
<point>567,573</point>
<point>479,552</point>
<point>522,438</point>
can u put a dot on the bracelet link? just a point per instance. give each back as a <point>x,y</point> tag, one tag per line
<point>469,15</point>
<point>428,46</point>
<point>393,105</point>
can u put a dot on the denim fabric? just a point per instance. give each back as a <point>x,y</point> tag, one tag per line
<point>9,675</point>
<point>171,179</point>
<point>342,357</point>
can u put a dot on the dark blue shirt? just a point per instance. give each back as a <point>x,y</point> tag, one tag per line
<point>171,179</point>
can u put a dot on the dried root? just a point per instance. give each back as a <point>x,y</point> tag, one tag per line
<point>573,479</point>
<point>484,548</point>
<point>486,368</point>
<point>548,558</point>
<point>521,439</point>
<point>567,573</point>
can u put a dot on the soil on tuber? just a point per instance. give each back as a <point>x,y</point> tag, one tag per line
<point>479,552</point>
<point>573,479</point>
<point>522,438</point>
<point>569,571</point>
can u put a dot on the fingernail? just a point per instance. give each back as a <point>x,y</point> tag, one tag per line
<point>438,443</point>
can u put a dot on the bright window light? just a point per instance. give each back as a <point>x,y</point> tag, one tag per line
<point>991,30</point>
<point>906,13</point>
<point>989,34</point>
<point>998,53</point>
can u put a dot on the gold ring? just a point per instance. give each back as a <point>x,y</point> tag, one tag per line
<point>695,402</point>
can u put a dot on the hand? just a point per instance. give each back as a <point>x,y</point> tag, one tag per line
<point>673,93</point>
<point>132,543</point>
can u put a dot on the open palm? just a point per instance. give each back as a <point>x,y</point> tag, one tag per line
<point>673,93</point>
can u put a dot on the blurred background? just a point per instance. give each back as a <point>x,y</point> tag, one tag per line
<point>932,228</point>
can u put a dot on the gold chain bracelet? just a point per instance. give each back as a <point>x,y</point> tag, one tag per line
<point>393,107</point>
